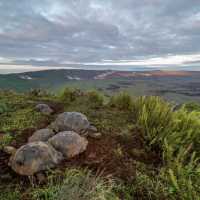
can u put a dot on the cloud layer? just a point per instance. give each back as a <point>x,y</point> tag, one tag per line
<point>92,31</point>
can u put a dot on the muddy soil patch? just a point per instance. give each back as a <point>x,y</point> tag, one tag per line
<point>111,156</point>
<point>104,156</point>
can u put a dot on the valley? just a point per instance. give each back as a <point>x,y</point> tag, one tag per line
<point>177,86</point>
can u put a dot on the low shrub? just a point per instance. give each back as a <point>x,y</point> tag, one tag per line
<point>67,95</point>
<point>178,136</point>
<point>154,116</point>
<point>181,173</point>
<point>95,99</point>
<point>122,101</point>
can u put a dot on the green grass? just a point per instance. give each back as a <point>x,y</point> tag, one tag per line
<point>122,101</point>
<point>178,135</point>
<point>174,136</point>
<point>5,140</point>
<point>155,117</point>
<point>77,185</point>
<point>9,194</point>
<point>20,119</point>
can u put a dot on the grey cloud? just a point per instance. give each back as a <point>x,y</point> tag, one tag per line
<point>94,30</point>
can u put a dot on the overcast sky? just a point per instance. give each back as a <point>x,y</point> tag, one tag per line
<point>59,33</point>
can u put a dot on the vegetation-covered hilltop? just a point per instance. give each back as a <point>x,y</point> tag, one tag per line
<point>148,149</point>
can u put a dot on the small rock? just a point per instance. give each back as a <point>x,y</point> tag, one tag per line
<point>34,157</point>
<point>41,135</point>
<point>44,108</point>
<point>69,143</point>
<point>9,150</point>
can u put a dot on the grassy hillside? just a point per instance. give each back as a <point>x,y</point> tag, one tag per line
<point>148,150</point>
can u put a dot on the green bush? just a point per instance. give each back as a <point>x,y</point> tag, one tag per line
<point>178,135</point>
<point>181,174</point>
<point>160,123</point>
<point>95,99</point>
<point>154,116</point>
<point>185,131</point>
<point>68,95</point>
<point>122,101</point>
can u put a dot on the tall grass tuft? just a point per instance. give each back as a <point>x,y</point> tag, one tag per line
<point>160,123</point>
<point>178,136</point>
<point>122,101</point>
<point>154,116</point>
<point>67,95</point>
<point>95,99</point>
<point>77,185</point>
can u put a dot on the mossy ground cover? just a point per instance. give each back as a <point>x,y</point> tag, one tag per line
<point>147,150</point>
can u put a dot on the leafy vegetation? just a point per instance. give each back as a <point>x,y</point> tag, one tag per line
<point>122,101</point>
<point>178,136</point>
<point>68,95</point>
<point>154,116</point>
<point>95,99</point>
